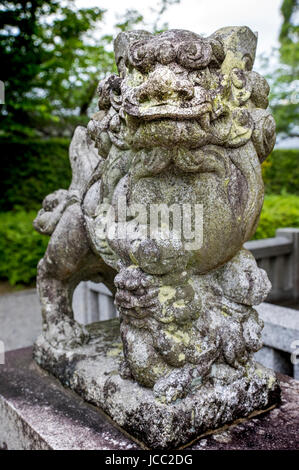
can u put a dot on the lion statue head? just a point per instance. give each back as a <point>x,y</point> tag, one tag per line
<point>185,121</point>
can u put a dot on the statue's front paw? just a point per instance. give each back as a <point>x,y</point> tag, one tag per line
<point>54,199</point>
<point>142,302</point>
<point>133,278</point>
<point>243,281</point>
<point>66,334</point>
<point>136,293</point>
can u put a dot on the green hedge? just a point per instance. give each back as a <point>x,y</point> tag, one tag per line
<point>21,247</point>
<point>30,170</point>
<point>281,172</point>
<point>279,211</point>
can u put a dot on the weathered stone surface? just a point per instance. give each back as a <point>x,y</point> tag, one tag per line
<point>36,412</point>
<point>276,430</point>
<point>92,371</point>
<point>185,125</point>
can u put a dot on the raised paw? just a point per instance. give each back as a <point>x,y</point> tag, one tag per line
<point>133,278</point>
<point>136,293</point>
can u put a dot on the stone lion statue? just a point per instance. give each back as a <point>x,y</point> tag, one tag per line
<point>185,123</point>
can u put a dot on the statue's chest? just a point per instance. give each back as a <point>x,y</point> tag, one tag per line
<point>167,188</point>
<point>172,188</point>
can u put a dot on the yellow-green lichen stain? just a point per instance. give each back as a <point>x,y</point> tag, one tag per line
<point>166,189</point>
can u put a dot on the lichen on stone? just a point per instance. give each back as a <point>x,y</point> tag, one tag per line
<point>183,124</point>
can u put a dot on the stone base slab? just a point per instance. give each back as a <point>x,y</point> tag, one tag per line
<point>37,412</point>
<point>92,372</point>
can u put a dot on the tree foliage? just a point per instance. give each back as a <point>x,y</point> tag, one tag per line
<point>284,79</point>
<point>281,172</point>
<point>46,56</point>
<point>53,55</point>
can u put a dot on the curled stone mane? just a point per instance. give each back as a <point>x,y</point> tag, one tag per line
<point>205,84</point>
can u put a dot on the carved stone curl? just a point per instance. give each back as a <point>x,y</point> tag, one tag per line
<point>184,123</point>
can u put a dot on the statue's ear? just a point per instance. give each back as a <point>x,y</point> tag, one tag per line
<point>238,41</point>
<point>121,47</point>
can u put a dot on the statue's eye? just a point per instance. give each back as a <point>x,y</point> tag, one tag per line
<point>138,78</point>
<point>140,53</point>
<point>238,78</point>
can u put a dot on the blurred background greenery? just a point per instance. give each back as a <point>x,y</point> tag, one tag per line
<point>52,56</point>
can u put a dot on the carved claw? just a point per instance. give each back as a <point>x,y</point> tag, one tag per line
<point>129,299</point>
<point>136,293</point>
<point>132,278</point>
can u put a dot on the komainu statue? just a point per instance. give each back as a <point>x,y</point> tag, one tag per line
<point>166,189</point>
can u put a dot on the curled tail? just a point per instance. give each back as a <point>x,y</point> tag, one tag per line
<point>84,159</point>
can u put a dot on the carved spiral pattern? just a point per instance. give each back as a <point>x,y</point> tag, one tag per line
<point>166,53</point>
<point>263,136</point>
<point>103,91</point>
<point>194,55</point>
<point>218,51</point>
<point>141,55</point>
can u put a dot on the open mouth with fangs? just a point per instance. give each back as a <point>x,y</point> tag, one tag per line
<point>141,103</point>
<point>195,109</point>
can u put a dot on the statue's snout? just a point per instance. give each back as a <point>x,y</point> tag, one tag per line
<point>163,84</point>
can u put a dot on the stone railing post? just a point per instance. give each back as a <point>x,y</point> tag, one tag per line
<point>293,235</point>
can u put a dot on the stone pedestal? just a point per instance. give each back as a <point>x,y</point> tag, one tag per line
<point>93,372</point>
<point>37,412</point>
